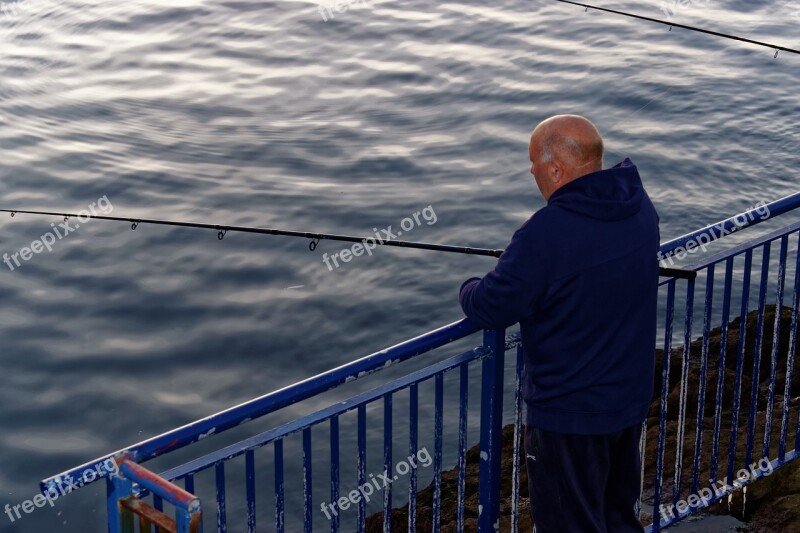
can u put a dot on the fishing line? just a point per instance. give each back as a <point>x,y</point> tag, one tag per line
<point>684,26</point>
<point>315,237</point>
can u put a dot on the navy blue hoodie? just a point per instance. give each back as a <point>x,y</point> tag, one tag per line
<point>581,278</point>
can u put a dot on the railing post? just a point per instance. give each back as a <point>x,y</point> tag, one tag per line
<point>189,522</point>
<point>118,488</point>
<point>493,368</point>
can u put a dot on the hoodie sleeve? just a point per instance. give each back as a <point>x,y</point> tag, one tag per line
<point>510,292</point>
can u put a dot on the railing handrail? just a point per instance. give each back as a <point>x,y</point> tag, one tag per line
<point>716,231</point>
<point>275,401</point>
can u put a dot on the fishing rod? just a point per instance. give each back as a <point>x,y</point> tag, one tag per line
<point>314,236</point>
<point>223,230</point>
<point>775,47</point>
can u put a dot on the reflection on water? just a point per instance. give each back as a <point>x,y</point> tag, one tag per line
<point>261,113</point>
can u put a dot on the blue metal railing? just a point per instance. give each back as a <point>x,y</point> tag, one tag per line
<point>732,478</point>
<point>358,403</point>
<point>492,376</point>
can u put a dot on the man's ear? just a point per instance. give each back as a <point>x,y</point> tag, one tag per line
<point>555,171</point>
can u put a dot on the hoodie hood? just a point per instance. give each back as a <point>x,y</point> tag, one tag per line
<point>613,194</point>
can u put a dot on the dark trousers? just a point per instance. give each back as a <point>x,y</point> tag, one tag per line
<point>584,483</point>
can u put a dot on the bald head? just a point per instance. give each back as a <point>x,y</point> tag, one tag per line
<point>562,149</point>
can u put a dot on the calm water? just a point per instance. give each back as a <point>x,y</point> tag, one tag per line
<point>261,113</point>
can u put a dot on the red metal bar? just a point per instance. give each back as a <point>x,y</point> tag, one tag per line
<point>158,485</point>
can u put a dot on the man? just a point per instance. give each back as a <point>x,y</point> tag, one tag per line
<point>581,278</point>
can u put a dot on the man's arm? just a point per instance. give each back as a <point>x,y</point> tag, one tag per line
<point>511,291</point>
